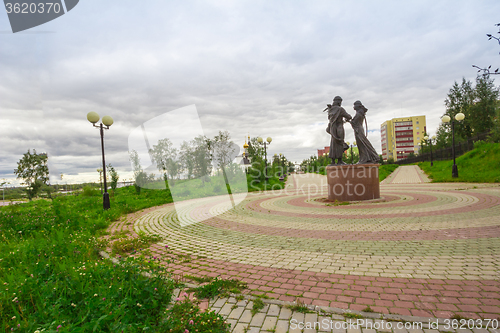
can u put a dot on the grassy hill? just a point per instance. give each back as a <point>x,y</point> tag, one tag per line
<point>480,165</point>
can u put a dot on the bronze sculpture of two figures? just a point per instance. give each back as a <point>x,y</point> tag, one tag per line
<point>336,116</point>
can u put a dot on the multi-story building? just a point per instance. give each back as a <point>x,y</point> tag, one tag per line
<point>400,136</point>
<point>326,150</point>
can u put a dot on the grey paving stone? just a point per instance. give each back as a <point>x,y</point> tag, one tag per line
<point>254,330</point>
<point>479,330</point>
<point>298,317</point>
<point>226,309</point>
<point>285,313</point>
<point>354,330</point>
<point>232,322</point>
<point>220,303</point>
<point>258,319</point>
<point>236,313</point>
<point>368,330</point>
<point>269,323</point>
<point>412,330</point>
<point>274,310</point>
<point>336,326</point>
<point>282,326</point>
<point>382,325</point>
<point>246,317</point>
<point>324,324</point>
<point>399,330</point>
<point>463,330</point>
<point>240,328</point>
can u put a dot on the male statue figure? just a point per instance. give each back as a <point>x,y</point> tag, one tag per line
<point>336,115</point>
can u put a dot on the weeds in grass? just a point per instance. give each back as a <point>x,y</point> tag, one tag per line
<point>352,315</point>
<point>130,244</point>
<point>368,309</point>
<point>198,279</point>
<point>299,307</point>
<point>219,287</point>
<point>258,305</point>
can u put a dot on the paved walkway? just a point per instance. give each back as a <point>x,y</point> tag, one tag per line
<point>407,174</point>
<point>429,250</point>
<point>282,317</point>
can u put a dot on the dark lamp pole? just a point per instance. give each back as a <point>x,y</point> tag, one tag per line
<point>107,121</point>
<point>267,142</point>
<point>446,119</point>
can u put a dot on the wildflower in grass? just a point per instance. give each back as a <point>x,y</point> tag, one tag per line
<point>95,295</point>
<point>73,305</point>
<point>177,299</point>
<point>13,317</point>
<point>191,322</point>
<point>58,327</point>
<point>186,331</point>
<point>104,298</point>
<point>139,305</point>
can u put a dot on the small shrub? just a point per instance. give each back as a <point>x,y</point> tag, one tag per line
<point>479,144</point>
<point>90,192</point>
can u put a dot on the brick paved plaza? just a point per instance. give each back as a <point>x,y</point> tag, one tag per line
<point>428,250</point>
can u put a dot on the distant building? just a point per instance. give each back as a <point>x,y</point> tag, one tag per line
<point>326,150</point>
<point>400,136</point>
<point>243,160</point>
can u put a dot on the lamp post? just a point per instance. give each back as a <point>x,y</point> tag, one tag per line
<point>429,140</point>
<point>100,178</point>
<point>267,142</point>
<point>446,119</point>
<point>352,145</point>
<point>107,121</point>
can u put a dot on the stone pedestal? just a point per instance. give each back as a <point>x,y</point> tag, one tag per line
<point>353,182</point>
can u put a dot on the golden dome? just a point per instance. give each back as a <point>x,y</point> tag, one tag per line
<point>245,145</point>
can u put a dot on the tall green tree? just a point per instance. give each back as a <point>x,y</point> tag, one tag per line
<point>113,174</point>
<point>479,105</point>
<point>460,99</point>
<point>140,177</point>
<point>33,169</point>
<point>483,111</point>
<point>165,157</point>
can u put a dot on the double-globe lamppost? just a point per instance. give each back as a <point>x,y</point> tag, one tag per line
<point>267,142</point>
<point>446,119</point>
<point>106,121</point>
<point>429,140</point>
<point>352,145</point>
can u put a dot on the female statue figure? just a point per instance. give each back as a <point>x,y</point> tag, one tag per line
<point>367,153</point>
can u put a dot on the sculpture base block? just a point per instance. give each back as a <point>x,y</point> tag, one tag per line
<point>353,182</point>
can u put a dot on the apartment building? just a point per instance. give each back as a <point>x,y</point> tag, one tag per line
<point>400,136</point>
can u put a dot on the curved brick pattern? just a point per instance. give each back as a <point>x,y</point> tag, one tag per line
<point>429,250</point>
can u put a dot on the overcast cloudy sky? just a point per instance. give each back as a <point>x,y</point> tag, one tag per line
<point>267,68</point>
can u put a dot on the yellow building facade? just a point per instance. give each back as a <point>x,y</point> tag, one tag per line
<point>400,136</point>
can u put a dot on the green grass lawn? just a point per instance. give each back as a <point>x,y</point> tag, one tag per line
<point>52,278</point>
<point>480,165</point>
<point>385,170</point>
